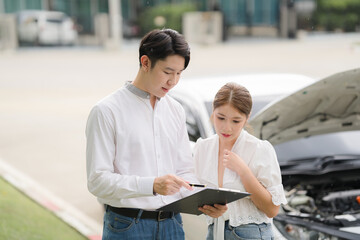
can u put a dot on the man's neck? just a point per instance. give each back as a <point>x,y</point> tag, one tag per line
<point>138,82</point>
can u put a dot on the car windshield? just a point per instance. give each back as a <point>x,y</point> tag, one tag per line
<point>320,145</point>
<point>54,20</point>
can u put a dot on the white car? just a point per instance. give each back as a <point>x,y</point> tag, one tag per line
<point>46,28</point>
<point>196,95</point>
<point>315,129</point>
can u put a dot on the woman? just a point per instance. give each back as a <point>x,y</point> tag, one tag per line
<point>232,158</point>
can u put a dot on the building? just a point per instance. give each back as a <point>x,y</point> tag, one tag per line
<point>241,17</point>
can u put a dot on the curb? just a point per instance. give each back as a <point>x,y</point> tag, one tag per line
<point>61,209</point>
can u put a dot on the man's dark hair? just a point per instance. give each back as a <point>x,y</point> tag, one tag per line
<point>159,44</point>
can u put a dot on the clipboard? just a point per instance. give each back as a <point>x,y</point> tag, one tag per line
<point>206,196</point>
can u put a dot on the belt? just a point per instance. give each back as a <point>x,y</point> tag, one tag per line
<point>134,212</point>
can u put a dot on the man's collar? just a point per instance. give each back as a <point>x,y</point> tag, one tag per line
<point>137,91</point>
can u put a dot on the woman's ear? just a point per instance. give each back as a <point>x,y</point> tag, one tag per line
<point>145,62</point>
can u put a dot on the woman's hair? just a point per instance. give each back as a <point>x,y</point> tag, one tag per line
<point>235,95</point>
<point>159,44</point>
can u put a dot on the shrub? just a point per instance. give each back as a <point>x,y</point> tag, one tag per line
<point>338,14</point>
<point>164,16</point>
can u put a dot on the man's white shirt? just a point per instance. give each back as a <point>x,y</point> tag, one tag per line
<point>129,144</point>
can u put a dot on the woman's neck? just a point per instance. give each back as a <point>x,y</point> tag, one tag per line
<point>226,145</point>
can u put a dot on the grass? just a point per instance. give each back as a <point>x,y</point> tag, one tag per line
<point>23,219</point>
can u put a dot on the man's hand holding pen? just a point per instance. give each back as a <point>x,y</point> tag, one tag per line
<point>169,184</point>
<point>197,185</point>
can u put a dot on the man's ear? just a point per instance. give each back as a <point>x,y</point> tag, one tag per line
<point>145,62</point>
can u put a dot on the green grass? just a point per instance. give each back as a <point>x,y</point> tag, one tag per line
<point>23,219</point>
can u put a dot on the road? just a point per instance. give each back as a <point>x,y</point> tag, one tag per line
<point>47,93</point>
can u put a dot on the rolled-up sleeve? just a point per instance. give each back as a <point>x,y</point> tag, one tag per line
<point>102,180</point>
<point>267,171</point>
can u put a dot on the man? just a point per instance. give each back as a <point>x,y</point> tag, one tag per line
<point>138,153</point>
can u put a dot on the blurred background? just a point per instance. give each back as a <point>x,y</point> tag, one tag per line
<point>59,57</point>
<point>106,22</point>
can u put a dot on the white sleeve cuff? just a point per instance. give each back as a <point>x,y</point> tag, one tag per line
<point>278,194</point>
<point>146,185</point>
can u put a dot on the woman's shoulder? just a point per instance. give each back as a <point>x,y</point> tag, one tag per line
<point>256,142</point>
<point>250,139</point>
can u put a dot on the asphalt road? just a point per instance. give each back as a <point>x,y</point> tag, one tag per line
<point>47,93</point>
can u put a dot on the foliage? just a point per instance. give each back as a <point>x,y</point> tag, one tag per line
<point>164,16</point>
<point>22,218</point>
<point>338,14</point>
<point>337,5</point>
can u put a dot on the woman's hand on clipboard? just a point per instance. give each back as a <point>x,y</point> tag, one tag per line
<point>214,211</point>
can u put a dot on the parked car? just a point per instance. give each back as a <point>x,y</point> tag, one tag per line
<point>196,95</point>
<point>315,129</point>
<point>38,27</point>
<point>316,133</point>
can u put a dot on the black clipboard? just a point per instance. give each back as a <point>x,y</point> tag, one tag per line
<point>207,196</point>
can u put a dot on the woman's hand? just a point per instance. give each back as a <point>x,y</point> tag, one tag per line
<point>260,196</point>
<point>214,211</point>
<point>233,162</point>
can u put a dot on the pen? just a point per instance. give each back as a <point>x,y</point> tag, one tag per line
<point>197,185</point>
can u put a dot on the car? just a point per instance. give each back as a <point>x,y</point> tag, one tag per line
<point>196,95</point>
<point>38,27</point>
<point>316,133</point>
<point>314,127</point>
<point>130,29</point>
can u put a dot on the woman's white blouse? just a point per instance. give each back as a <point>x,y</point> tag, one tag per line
<point>261,158</point>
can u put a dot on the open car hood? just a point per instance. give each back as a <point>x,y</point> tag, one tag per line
<point>328,105</point>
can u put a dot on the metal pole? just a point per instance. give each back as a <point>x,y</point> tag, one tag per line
<point>22,5</point>
<point>250,10</point>
<point>2,6</point>
<point>283,25</point>
<point>94,8</point>
<point>115,23</point>
<point>44,5</point>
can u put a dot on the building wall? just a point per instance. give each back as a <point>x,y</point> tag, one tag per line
<point>251,12</point>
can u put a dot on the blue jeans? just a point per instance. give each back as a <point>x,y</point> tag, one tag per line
<point>121,227</point>
<point>250,231</point>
